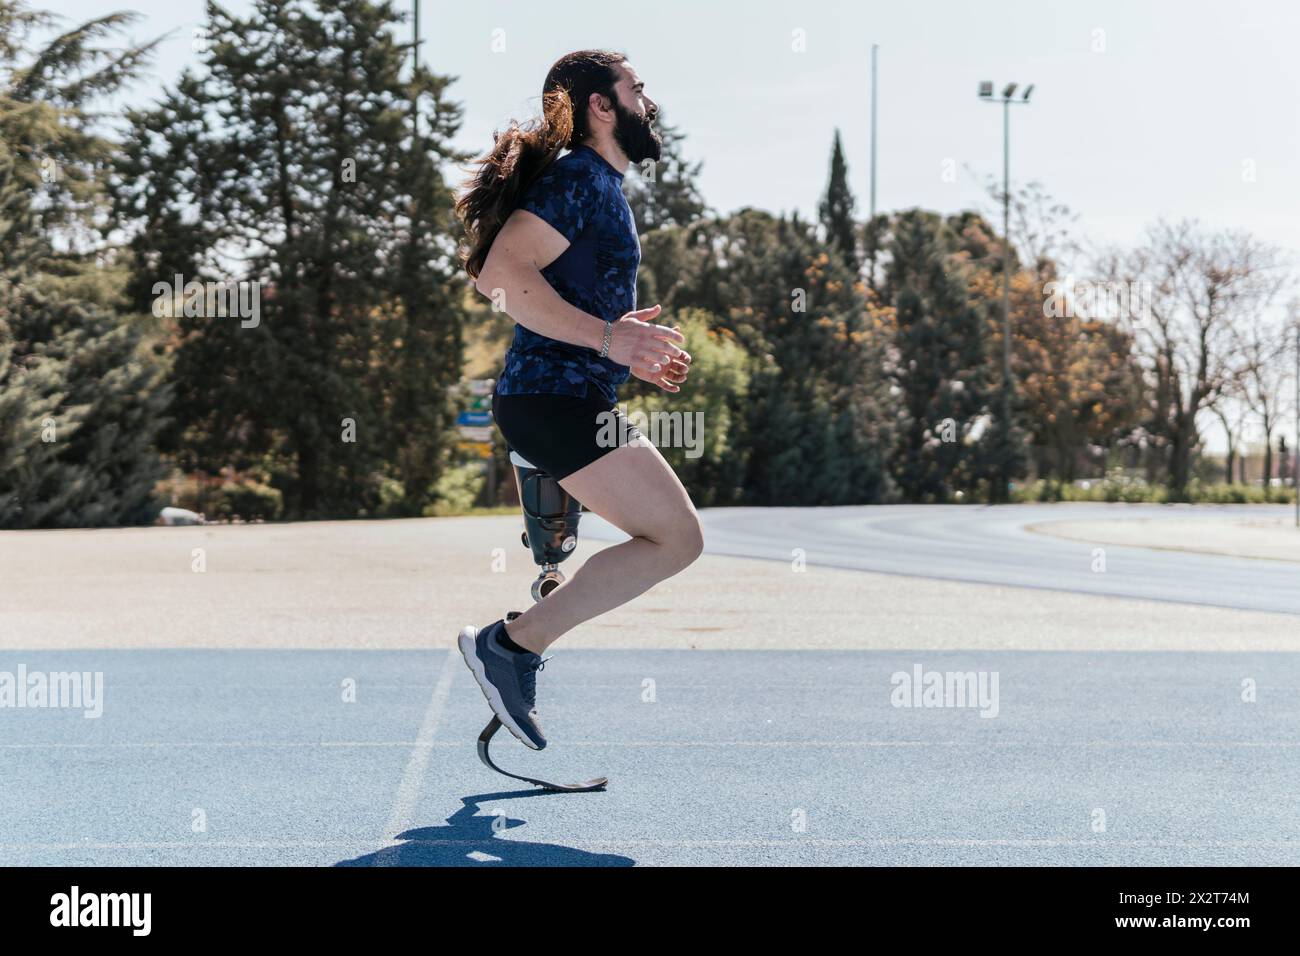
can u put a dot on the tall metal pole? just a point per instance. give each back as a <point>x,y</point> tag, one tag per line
<point>874,48</point>
<point>1003,493</point>
<point>415,66</point>
<point>1295,469</point>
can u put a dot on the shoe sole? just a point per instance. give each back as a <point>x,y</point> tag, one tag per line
<point>467,642</point>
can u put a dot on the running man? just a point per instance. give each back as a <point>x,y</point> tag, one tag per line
<point>554,242</point>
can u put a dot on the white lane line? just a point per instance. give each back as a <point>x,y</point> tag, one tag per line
<point>431,744</point>
<point>408,793</point>
<point>254,744</point>
<point>967,744</point>
<point>687,844</point>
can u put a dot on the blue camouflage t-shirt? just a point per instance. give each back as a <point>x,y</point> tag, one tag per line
<point>581,196</point>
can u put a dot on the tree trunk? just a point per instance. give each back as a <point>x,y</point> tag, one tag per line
<point>1268,464</point>
<point>1180,459</point>
<point>308,479</point>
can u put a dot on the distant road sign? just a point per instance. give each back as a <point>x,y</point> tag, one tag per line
<point>480,449</point>
<point>476,433</point>
<point>474,418</point>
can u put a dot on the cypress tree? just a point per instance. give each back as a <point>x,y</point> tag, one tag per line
<point>836,209</point>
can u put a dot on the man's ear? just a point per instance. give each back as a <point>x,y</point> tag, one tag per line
<point>602,102</point>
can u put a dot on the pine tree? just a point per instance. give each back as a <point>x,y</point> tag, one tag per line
<point>318,170</point>
<point>815,417</point>
<point>941,369</point>
<point>31,400</point>
<point>80,402</point>
<point>89,460</point>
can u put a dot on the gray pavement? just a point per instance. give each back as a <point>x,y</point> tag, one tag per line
<point>994,545</point>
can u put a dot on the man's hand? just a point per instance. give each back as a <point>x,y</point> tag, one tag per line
<point>668,377</point>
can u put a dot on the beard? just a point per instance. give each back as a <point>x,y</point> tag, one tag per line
<point>635,135</point>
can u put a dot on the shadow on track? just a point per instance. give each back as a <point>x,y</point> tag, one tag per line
<point>471,840</point>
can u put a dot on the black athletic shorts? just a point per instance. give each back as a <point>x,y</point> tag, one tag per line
<point>561,433</point>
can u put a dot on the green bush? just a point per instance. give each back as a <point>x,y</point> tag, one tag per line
<point>392,495</point>
<point>245,499</point>
<point>1220,493</point>
<point>1117,487</point>
<point>243,496</point>
<point>713,468</point>
<point>457,490</point>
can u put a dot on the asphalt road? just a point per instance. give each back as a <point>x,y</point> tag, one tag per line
<point>993,545</point>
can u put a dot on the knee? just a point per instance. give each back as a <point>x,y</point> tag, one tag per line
<point>686,542</point>
<point>679,541</point>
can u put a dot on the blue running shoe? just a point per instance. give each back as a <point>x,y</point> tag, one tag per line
<point>508,680</point>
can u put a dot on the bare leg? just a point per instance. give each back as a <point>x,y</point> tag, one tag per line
<point>636,490</point>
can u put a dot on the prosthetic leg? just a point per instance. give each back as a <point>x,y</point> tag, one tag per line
<point>551,530</point>
<point>550,522</point>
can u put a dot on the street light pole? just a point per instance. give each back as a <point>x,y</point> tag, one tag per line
<point>1004,484</point>
<point>986,94</point>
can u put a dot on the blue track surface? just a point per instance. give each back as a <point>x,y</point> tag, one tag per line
<point>717,761</point>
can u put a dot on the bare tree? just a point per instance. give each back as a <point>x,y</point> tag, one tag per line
<point>1043,230</point>
<point>1288,458</point>
<point>1264,352</point>
<point>1229,409</point>
<point>1200,289</point>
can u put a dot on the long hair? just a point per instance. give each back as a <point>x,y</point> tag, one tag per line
<point>520,154</point>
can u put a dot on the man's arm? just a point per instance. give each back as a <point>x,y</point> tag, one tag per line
<point>525,245</point>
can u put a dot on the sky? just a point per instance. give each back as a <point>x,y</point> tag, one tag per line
<point>1141,109</point>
